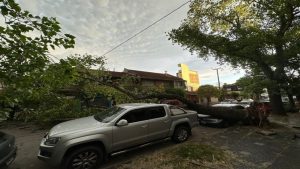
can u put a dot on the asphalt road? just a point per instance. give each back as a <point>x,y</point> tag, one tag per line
<point>251,149</point>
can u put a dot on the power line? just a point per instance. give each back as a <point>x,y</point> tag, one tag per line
<point>141,31</point>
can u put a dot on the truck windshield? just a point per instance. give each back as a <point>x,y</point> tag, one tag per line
<point>109,114</point>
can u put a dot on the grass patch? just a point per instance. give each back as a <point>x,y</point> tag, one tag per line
<point>183,156</point>
<point>195,151</point>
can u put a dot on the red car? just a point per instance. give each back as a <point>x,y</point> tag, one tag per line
<point>264,106</point>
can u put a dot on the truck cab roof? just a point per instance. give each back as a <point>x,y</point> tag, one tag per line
<point>138,105</point>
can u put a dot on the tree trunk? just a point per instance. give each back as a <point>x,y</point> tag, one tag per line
<point>276,102</point>
<point>11,116</point>
<point>298,101</point>
<point>291,101</point>
<point>12,113</point>
<point>207,101</point>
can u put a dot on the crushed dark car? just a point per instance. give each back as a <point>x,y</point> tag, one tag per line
<point>8,149</point>
<point>208,120</point>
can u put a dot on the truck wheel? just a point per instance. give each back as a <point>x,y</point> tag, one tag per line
<point>88,157</point>
<point>181,134</point>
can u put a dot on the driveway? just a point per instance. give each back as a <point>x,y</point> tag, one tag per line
<point>251,149</point>
<point>27,140</point>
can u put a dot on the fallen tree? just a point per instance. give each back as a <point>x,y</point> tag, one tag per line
<point>224,113</point>
<point>218,112</point>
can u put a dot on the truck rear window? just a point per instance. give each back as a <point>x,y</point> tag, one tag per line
<point>176,111</point>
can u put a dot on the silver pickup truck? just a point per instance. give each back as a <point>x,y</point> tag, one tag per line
<point>84,143</point>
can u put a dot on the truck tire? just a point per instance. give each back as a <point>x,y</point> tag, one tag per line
<point>181,134</point>
<point>87,157</point>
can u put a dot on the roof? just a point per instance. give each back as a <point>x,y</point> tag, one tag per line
<point>153,76</point>
<point>138,105</point>
<point>117,74</point>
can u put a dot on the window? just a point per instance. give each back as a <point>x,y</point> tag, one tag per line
<point>109,114</point>
<point>194,78</point>
<point>176,111</point>
<point>156,112</point>
<point>136,115</point>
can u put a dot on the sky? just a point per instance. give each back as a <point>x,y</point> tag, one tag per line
<point>100,25</point>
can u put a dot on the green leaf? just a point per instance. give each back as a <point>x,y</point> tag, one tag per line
<point>2,29</point>
<point>4,10</point>
<point>70,36</point>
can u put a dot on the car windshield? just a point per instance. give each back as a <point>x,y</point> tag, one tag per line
<point>109,114</point>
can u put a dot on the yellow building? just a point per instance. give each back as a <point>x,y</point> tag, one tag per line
<point>191,77</point>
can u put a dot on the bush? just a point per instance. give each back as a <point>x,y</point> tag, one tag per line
<point>92,90</point>
<point>176,91</point>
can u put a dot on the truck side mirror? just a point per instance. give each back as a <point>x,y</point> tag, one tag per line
<point>122,122</point>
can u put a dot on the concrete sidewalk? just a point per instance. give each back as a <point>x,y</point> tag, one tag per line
<point>291,120</point>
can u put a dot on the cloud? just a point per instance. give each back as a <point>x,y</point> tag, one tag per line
<point>100,25</point>
<point>102,3</point>
<point>31,5</point>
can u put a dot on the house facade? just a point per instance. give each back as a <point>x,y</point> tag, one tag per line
<point>150,79</point>
<point>190,76</point>
<point>192,82</point>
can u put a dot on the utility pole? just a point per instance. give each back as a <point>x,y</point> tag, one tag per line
<point>217,69</point>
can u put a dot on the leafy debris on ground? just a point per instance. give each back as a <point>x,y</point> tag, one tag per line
<point>184,156</point>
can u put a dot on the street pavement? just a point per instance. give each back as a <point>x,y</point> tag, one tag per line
<point>291,120</point>
<point>253,150</point>
<point>250,149</point>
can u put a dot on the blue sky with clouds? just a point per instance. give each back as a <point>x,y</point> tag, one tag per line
<point>99,25</point>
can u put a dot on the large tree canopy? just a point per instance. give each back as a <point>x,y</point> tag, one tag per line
<point>25,41</point>
<point>254,34</point>
<point>208,91</point>
<point>252,86</point>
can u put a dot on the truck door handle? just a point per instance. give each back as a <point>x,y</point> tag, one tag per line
<point>144,126</point>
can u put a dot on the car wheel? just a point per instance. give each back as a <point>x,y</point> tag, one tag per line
<point>88,157</point>
<point>181,134</point>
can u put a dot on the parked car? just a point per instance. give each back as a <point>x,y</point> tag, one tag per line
<point>211,121</point>
<point>8,149</point>
<point>231,106</point>
<point>245,103</point>
<point>229,101</point>
<point>84,143</point>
